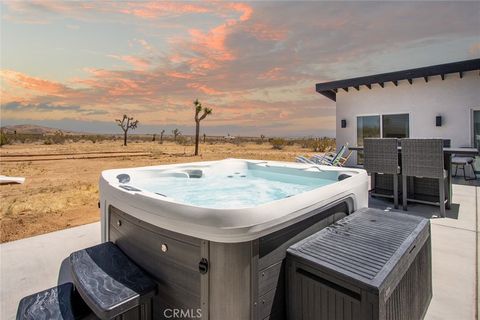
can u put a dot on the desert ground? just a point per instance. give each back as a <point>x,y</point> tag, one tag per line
<point>61,187</point>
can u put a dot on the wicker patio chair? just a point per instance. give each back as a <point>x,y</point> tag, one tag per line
<point>460,163</point>
<point>381,157</point>
<point>423,158</point>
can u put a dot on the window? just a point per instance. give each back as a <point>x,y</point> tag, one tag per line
<point>395,126</point>
<point>392,126</point>
<point>367,127</point>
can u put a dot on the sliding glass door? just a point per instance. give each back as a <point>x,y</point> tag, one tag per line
<point>476,136</point>
<point>476,128</point>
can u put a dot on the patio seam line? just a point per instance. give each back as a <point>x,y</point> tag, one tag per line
<point>457,228</point>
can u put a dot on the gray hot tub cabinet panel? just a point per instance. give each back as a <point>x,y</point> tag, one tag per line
<point>175,270</point>
<point>244,280</point>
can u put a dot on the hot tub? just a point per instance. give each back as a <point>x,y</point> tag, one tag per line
<point>214,234</point>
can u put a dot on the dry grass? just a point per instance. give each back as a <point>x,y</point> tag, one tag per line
<point>64,193</point>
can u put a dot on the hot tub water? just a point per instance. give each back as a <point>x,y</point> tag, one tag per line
<point>231,189</point>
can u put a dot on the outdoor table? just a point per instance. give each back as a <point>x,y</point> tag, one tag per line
<point>447,158</point>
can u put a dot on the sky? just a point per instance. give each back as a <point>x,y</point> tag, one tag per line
<point>79,65</point>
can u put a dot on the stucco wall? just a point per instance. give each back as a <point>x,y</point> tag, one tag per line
<point>452,98</point>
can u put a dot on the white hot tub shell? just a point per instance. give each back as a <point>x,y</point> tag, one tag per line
<point>217,262</point>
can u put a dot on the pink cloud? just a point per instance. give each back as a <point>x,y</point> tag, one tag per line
<point>273,74</point>
<point>151,10</point>
<point>179,75</point>
<point>203,88</point>
<point>24,81</point>
<point>138,63</point>
<point>244,8</point>
<point>248,61</point>
<point>212,44</point>
<point>210,48</point>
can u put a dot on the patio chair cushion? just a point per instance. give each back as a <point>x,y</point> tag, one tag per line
<point>60,302</point>
<point>108,281</point>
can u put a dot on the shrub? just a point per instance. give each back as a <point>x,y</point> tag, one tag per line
<point>183,141</point>
<point>324,144</point>
<point>278,143</point>
<point>58,137</point>
<point>4,139</point>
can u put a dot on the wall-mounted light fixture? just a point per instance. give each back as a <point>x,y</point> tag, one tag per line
<point>344,123</point>
<point>438,121</point>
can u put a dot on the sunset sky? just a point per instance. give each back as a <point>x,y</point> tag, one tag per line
<point>80,65</point>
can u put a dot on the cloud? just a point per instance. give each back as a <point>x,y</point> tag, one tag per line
<point>151,10</point>
<point>73,26</point>
<point>18,79</point>
<point>144,43</point>
<point>203,88</point>
<point>272,74</point>
<point>138,63</point>
<point>255,63</point>
<point>474,50</point>
<point>22,109</point>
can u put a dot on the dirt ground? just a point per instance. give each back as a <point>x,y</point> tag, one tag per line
<point>60,192</point>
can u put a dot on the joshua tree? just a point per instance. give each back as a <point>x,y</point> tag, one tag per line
<point>161,136</point>
<point>126,124</point>
<point>176,133</point>
<point>262,137</point>
<point>198,110</point>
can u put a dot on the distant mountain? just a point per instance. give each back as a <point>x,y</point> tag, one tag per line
<point>34,129</point>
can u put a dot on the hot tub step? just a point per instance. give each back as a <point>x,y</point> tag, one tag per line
<point>60,302</point>
<point>110,283</point>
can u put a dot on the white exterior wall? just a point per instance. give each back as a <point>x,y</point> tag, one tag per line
<point>453,98</point>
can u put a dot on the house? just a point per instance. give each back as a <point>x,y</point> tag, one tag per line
<point>436,101</point>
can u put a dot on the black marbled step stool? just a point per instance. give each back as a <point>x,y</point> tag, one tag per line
<point>111,284</point>
<point>61,302</point>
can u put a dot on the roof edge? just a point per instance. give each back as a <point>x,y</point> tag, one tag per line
<point>329,89</point>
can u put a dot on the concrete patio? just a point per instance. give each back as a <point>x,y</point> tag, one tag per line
<point>33,264</point>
